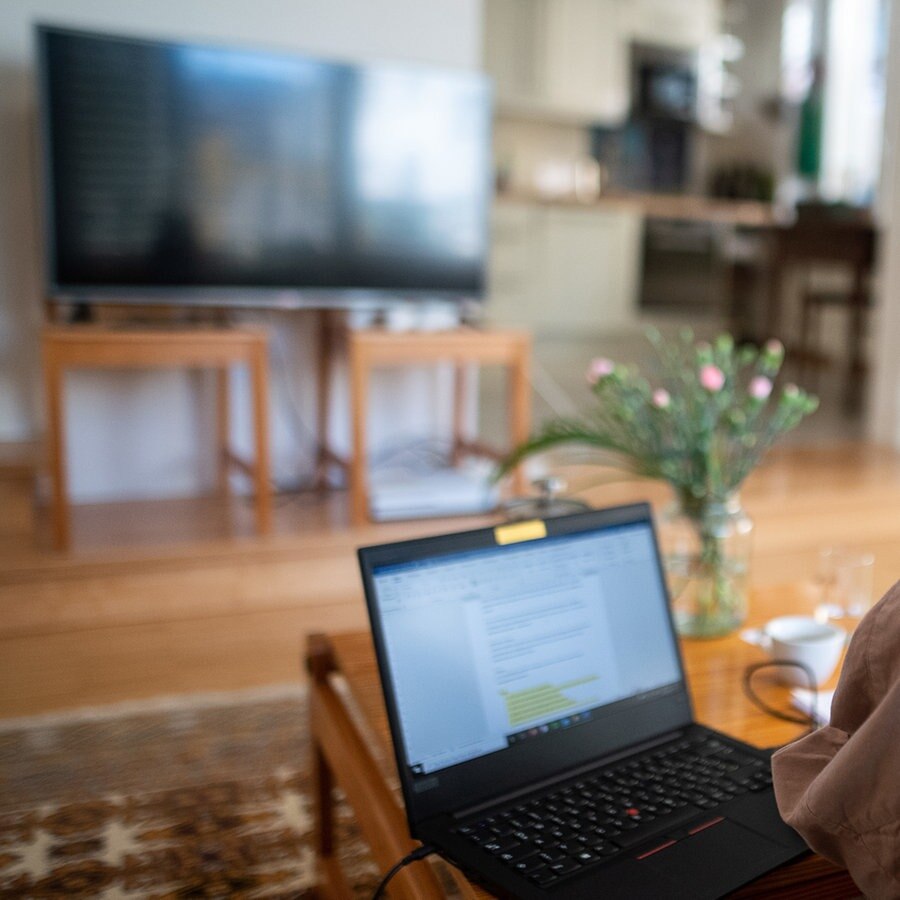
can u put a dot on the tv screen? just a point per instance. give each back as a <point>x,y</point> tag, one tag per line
<point>204,174</point>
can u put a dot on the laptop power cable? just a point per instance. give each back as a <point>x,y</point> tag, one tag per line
<point>417,854</point>
<point>756,700</point>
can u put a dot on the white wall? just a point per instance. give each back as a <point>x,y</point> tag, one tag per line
<point>884,412</point>
<point>138,434</point>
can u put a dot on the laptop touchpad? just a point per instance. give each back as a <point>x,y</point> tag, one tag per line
<point>716,859</point>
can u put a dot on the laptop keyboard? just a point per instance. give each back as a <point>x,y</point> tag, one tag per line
<point>595,818</point>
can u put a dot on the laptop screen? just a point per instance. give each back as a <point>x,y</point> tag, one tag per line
<point>506,661</point>
<point>497,646</point>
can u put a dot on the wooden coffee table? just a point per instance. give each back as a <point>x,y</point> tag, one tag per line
<point>351,749</point>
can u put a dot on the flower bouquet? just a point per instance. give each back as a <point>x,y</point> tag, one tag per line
<point>702,425</point>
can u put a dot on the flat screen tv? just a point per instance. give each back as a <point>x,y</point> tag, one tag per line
<point>184,173</point>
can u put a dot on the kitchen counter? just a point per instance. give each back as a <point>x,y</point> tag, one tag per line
<point>745,213</point>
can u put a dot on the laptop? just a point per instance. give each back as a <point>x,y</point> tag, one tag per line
<point>542,724</point>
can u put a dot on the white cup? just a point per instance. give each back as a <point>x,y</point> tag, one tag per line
<point>800,639</point>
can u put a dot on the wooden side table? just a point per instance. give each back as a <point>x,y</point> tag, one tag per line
<point>75,346</point>
<point>373,348</point>
<point>351,749</point>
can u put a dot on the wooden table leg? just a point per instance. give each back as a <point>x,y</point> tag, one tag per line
<point>260,379</point>
<point>341,756</point>
<point>326,351</point>
<point>359,404</point>
<point>319,662</point>
<point>520,406</point>
<point>461,382</point>
<point>853,390</point>
<point>54,383</point>
<point>223,429</point>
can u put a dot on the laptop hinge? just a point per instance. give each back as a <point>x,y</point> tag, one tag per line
<point>567,776</point>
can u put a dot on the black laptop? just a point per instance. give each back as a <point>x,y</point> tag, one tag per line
<point>542,724</point>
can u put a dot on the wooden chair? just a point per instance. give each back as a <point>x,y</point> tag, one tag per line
<point>817,239</point>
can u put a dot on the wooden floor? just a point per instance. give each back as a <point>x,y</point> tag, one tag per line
<point>172,596</point>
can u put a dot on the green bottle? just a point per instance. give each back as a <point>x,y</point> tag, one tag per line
<point>809,140</point>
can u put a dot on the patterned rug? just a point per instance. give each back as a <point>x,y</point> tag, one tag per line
<point>204,796</point>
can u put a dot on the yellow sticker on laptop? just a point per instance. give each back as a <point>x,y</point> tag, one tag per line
<point>532,530</point>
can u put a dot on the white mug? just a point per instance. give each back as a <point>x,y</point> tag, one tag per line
<point>800,639</point>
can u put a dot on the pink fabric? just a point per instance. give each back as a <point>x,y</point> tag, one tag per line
<point>840,787</point>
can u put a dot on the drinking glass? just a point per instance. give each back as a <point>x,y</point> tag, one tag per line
<point>853,585</point>
<point>844,577</point>
<point>827,606</point>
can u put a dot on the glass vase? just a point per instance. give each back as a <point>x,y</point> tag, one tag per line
<point>706,548</point>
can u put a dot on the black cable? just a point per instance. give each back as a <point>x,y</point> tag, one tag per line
<point>418,853</point>
<point>808,720</point>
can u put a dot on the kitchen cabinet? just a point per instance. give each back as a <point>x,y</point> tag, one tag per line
<point>513,49</point>
<point>564,270</point>
<point>592,262</point>
<point>516,267</point>
<point>570,59</point>
<point>586,60</point>
<point>558,58</point>
<point>685,24</point>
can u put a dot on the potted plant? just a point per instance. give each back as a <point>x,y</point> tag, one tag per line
<point>702,424</point>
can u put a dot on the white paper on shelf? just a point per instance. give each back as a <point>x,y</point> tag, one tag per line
<point>447,492</point>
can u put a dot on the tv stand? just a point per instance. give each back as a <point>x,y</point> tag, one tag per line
<point>67,347</point>
<point>463,347</point>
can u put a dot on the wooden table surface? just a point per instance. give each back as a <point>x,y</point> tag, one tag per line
<point>714,668</point>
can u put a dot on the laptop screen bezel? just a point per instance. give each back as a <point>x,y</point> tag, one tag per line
<point>483,778</point>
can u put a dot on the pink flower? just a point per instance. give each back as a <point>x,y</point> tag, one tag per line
<point>774,346</point>
<point>760,387</point>
<point>712,378</point>
<point>661,398</point>
<point>599,368</point>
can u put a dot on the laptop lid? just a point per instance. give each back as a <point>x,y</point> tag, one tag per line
<point>512,655</point>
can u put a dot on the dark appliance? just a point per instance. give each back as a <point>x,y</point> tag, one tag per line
<point>664,83</point>
<point>195,174</point>
<point>684,266</point>
<point>653,150</point>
